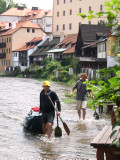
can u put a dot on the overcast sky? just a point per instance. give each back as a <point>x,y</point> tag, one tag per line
<point>42,4</point>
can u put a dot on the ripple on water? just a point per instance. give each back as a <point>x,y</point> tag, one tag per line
<point>17,97</point>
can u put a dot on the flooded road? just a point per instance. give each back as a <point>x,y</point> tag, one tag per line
<point>17,97</point>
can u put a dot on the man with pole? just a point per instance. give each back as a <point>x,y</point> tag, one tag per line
<point>47,109</point>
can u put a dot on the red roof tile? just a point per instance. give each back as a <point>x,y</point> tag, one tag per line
<point>34,14</point>
<point>26,24</point>
<point>72,38</point>
<point>16,12</point>
<point>49,14</point>
<point>69,42</point>
<point>36,39</point>
<point>25,48</point>
<point>28,44</point>
<point>2,24</point>
<point>70,50</point>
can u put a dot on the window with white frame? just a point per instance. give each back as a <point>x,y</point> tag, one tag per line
<point>15,54</point>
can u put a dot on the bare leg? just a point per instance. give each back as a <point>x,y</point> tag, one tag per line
<point>44,127</point>
<point>84,113</point>
<point>79,113</point>
<point>49,129</point>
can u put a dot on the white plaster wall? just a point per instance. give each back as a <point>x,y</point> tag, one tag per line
<point>111,61</point>
<point>47,21</point>
<point>50,55</point>
<point>9,18</point>
<point>15,60</point>
<point>101,55</point>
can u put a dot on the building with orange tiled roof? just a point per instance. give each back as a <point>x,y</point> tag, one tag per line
<point>65,48</point>
<point>15,37</point>
<point>21,56</point>
<point>42,50</point>
<point>2,24</point>
<point>35,15</point>
<point>47,22</point>
<point>41,17</point>
<point>14,14</point>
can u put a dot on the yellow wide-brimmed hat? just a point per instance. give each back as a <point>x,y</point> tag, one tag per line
<point>46,83</point>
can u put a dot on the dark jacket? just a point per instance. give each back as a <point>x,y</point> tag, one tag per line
<point>45,104</point>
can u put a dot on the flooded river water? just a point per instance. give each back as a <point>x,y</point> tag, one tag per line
<point>17,97</point>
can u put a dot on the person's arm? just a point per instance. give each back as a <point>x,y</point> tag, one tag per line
<point>75,86</point>
<point>58,104</point>
<point>71,92</point>
<point>90,93</point>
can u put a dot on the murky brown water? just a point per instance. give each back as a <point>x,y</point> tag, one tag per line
<point>17,97</point>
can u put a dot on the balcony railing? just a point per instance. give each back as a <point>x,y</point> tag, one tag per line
<point>2,55</point>
<point>2,45</point>
<point>92,59</point>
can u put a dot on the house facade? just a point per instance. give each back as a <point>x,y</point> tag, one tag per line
<point>91,48</point>
<point>41,17</point>
<point>65,48</point>
<point>47,22</point>
<point>65,18</point>
<point>14,14</point>
<point>14,38</point>
<point>42,50</point>
<point>111,55</point>
<point>21,55</point>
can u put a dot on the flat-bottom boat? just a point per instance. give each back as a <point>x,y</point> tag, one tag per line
<point>33,122</point>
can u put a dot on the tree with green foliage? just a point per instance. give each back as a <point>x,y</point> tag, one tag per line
<point>49,69</point>
<point>75,64</point>
<point>17,71</point>
<point>7,4</point>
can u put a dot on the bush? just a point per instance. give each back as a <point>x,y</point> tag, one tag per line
<point>64,76</point>
<point>26,72</point>
<point>17,71</point>
<point>38,72</point>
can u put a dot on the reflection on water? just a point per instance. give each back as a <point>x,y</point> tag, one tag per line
<point>17,97</point>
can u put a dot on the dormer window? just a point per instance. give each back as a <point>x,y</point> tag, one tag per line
<point>33,15</point>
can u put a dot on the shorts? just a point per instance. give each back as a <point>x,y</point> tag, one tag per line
<point>48,117</point>
<point>81,104</point>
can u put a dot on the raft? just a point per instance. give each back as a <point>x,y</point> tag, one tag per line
<point>33,121</point>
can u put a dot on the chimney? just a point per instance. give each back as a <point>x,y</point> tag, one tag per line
<point>43,36</point>
<point>61,36</point>
<point>34,8</point>
<point>108,32</point>
<point>50,37</point>
<point>6,25</point>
